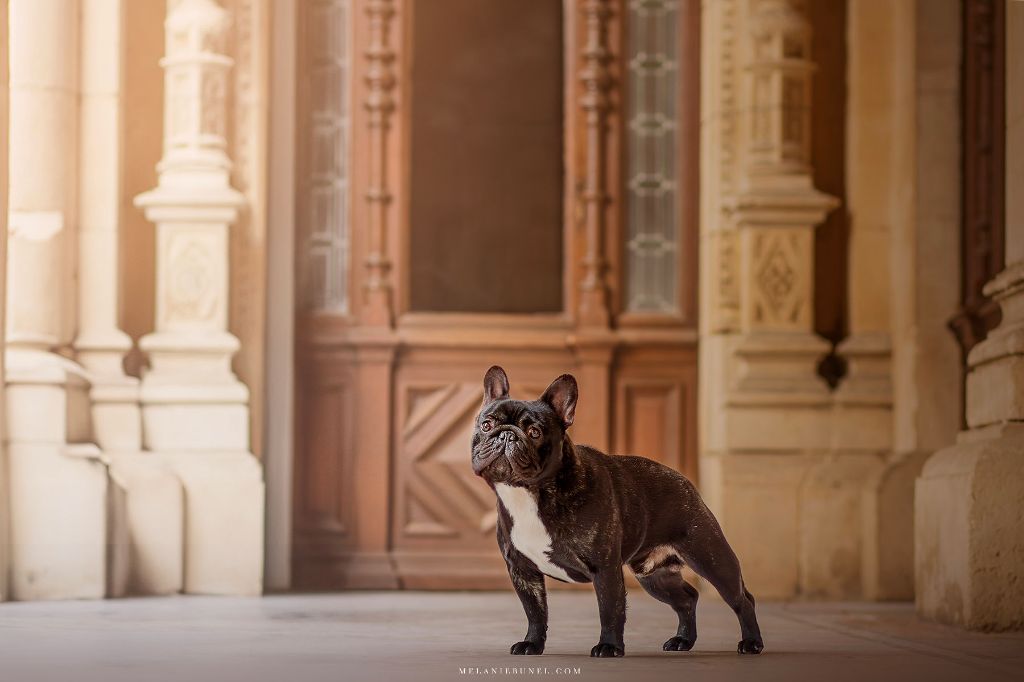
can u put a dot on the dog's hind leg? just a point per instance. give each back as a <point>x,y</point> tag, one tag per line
<point>666,584</point>
<point>720,567</point>
<point>707,552</point>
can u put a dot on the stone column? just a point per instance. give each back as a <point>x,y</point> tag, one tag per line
<point>5,556</point>
<point>100,344</point>
<point>903,181</point>
<point>195,410</point>
<point>58,490</point>
<point>766,412</point>
<point>969,528</point>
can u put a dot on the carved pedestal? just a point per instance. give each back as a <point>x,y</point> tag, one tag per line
<point>195,410</point>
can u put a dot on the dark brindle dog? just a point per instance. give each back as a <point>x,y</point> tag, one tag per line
<point>578,515</point>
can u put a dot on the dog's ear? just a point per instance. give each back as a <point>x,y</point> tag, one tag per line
<point>495,385</point>
<point>561,396</point>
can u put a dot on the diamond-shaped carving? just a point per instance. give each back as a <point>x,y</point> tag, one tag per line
<point>776,278</point>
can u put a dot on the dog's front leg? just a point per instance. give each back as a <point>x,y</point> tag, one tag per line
<point>529,585</point>
<point>611,602</point>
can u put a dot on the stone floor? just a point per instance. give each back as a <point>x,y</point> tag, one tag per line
<point>454,636</point>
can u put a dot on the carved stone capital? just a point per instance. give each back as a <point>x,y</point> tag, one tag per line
<point>778,84</point>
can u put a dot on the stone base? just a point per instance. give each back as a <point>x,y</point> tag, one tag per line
<point>800,522</point>
<point>116,419</point>
<point>224,495</point>
<point>756,499</point>
<point>831,525</point>
<point>58,513</point>
<point>887,566</point>
<point>209,427</point>
<point>153,512</point>
<point>969,531</point>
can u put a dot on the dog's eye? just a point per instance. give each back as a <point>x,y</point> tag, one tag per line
<point>533,432</point>
<point>486,425</point>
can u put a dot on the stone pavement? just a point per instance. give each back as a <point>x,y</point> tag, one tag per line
<point>434,636</point>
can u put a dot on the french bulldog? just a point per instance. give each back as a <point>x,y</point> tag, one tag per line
<point>575,514</point>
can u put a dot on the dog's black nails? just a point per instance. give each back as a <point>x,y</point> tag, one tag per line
<point>677,644</point>
<point>750,646</point>
<point>605,650</point>
<point>526,649</point>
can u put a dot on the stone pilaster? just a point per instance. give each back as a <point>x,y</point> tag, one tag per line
<point>767,418</point>
<point>100,345</point>
<point>58,486</point>
<point>5,556</point>
<point>193,206</point>
<point>195,411</point>
<point>776,208</point>
<point>969,528</point>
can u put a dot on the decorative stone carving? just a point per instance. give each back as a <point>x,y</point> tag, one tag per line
<point>777,293</point>
<point>725,289</point>
<point>776,207</point>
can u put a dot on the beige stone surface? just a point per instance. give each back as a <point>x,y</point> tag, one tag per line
<point>224,498</point>
<point>756,497</point>
<point>154,519</point>
<point>42,199</point>
<point>58,533</point>
<point>970,532</point>
<point>4,484</point>
<point>831,533</point>
<point>887,568</point>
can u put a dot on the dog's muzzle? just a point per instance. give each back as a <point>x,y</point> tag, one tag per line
<point>505,443</point>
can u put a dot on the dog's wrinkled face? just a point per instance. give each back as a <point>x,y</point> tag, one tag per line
<point>520,441</point>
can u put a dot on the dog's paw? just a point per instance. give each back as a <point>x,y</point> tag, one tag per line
<point>605,650</point>
<point>526,649</point>
<point>749,646</point>
<point>678,644</point>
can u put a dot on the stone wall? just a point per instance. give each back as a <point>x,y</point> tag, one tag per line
<point>119,485</point>
<point>828,474</point>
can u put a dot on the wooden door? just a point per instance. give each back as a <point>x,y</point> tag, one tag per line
<point>513,183</point>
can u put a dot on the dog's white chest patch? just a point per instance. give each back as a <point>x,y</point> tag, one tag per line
<point>529,535</point>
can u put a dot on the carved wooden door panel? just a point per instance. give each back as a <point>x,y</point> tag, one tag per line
<point>443,515</point>
<point>505,201</point>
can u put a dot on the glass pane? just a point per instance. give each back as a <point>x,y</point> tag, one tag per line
<point>652,220</point>
<point>486,167</point>
<point>322,221</point>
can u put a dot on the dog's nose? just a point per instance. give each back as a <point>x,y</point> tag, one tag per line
<point>506,436</point>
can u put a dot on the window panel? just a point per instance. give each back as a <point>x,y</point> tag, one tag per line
<point>652,211</point>
<point>323,71</point>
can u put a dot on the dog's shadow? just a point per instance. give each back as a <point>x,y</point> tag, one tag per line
<point>676,657</point>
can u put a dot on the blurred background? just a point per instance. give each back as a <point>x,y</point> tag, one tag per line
<point>258,255</point>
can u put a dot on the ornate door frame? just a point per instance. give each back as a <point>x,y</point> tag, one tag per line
<point>384,394</point>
